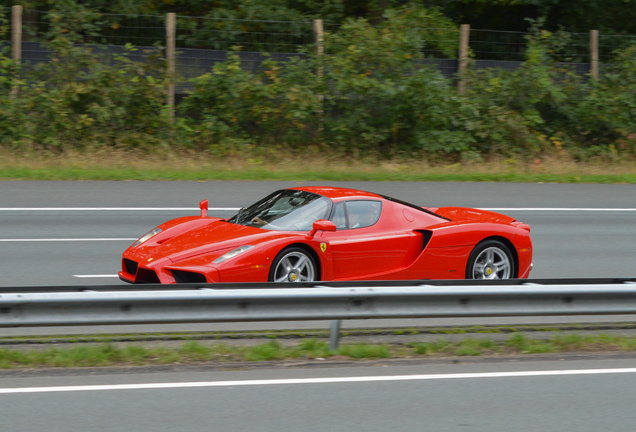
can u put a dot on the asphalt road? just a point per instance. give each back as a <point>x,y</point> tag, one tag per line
<point>578,231</point>
<point>526,396</point>
<point>73,233</point>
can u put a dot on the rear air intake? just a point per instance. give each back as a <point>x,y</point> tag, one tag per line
<point>182,276</point>
<point>426,237</point>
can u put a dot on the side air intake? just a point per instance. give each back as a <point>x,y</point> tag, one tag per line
<point>182,276</point>
<point>147,276</point>
<point>130,266</point>
<point>426,237</point>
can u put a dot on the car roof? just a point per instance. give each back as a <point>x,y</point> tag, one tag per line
<point>337,192</point>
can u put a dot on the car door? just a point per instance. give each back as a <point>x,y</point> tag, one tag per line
<point>368,240</point>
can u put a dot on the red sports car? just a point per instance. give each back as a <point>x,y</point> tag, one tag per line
<point>331,234</point>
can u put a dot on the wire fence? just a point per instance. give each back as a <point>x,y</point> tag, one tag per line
<point>498,45</point>
<point>244,35</point>
<point>609,44</point>
<point>35,25</point>
<point>137,30</point>
<point>202,42</point>
<point>5,26</point>
<point>96,28</point>
<point>508,50</point>
<point>440,49</point>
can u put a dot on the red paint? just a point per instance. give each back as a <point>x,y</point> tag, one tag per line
<point>203,205</point>
<point>391,249</point>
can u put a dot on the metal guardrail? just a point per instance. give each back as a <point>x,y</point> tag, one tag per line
<point>359,300</point>
<point>349,284</point>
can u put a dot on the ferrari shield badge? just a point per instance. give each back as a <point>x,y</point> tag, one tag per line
<point>323,247</point>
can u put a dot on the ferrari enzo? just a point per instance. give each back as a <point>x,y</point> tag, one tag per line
<point>331,234</point>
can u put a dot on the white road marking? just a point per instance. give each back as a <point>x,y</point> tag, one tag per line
<point>68,239</point>
<point>582,209</point>
<point>212,209</point>
<point>115,209</point>
<point>314,380</point>
<point>96,276</point>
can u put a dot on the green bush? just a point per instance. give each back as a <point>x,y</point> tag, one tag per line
<point>77,100</point>
<point>83,97</point>
<point>379,101</point>
<point>368,94</point>
<point>277,105</point>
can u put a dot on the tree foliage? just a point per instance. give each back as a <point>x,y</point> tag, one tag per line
<point>369,92</point>
<point>609,16</point>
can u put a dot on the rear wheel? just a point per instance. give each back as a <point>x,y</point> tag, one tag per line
<point>490,259</point>
<point>293,264</point>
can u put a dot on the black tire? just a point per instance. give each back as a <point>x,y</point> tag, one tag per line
<point>491,259</point>
<point>294,264</point>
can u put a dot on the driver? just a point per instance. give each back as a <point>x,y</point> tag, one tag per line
<point>300,219</point>
<point>364,216</point>
<point>258,221</point>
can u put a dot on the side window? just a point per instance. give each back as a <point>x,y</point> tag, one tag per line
<point>340,217</point>
<point>356,214</point>
<point>363,213</point>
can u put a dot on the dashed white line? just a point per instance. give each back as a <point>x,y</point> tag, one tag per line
<point>97,276</point>
<point>152,386</point>
<point>582,209</point>
<point>69,239</point>
<point>115,209</point>
<point>212,209</point>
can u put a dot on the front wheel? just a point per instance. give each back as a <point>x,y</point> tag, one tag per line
<point>293,265</point>
<point>490,259</point>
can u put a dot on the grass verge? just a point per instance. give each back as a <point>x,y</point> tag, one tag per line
<point>220,336</point>
<point>194,352</point>
<point>114,165</point>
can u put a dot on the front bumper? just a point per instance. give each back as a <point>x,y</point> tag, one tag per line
<point>161,271</point>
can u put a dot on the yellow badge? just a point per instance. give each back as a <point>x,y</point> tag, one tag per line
<point>294,277</point>
<point>150,259</point>
<point>323,247</point>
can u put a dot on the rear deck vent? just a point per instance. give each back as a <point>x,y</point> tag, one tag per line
<point>182,276</point>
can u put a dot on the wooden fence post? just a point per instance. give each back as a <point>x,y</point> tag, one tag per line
<point>320,50</point>
<point>16,39</point>
<point>594,53</point>
<point>320,37</point>
<point>171,33</point>
<point>464,32</point>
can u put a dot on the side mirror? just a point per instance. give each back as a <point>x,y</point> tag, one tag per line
<point>203,205</point>
<point>322,225</point>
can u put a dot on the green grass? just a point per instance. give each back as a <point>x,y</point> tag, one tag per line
<point>24,173</point>
<point>202,167</point>
<point>194,352</point>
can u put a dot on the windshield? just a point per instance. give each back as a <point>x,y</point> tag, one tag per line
<point>285,210</point>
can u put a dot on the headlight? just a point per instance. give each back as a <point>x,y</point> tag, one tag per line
<point>146,237</point>
<point>232,254</point>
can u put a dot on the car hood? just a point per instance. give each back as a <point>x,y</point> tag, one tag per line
<point>218,236</point>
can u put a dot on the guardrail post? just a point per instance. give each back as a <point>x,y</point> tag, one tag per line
<point>16,39</point>
<point>171,32</point>
<point>334,335</point>
<point>464,32</point>
<point>594,53</point>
